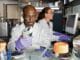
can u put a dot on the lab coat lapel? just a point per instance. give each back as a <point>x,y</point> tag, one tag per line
<point>35,33</point>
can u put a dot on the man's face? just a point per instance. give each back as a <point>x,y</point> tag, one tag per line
<point>29,17</point>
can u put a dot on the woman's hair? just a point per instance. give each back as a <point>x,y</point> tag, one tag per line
<point>42,13</point>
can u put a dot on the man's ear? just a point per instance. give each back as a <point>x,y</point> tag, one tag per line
<point>22,19</point>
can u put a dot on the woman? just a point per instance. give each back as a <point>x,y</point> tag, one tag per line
<point>45,17</point>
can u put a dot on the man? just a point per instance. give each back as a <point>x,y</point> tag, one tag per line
<point>28,29</point>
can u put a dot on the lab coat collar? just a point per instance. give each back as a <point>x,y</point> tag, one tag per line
<point>31,29</point>
<point>43,21</point>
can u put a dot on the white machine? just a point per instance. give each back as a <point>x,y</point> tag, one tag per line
<point>71,23</point>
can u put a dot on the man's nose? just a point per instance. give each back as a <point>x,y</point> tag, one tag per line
<point>30,18</point>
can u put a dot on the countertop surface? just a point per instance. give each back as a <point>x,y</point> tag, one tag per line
<point>37,55</point>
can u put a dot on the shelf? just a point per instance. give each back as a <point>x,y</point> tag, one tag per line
<point>73,3</point>
<point>40,8</point>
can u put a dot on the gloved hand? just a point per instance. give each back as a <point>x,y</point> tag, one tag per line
<point>48,53</point>
<point>64,37</point>
<point>23,43</point>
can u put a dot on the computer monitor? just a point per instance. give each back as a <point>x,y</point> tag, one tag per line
<point>71,23</point>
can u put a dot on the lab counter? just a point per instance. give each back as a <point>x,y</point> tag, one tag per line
<point>37,55</point>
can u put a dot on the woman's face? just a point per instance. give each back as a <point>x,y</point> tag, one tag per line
<point>49,14</point>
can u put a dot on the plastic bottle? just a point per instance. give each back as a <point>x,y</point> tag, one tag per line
<point>3,55</point>
<point>9,54</point>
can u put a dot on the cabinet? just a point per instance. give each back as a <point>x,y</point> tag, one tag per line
<point>12,11</point>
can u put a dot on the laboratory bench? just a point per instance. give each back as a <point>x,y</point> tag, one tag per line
<point>34,55</point>
<point>37,55</point>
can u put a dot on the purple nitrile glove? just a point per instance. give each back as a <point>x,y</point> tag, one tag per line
<point>23,43</point>
<point>19,46</point>
<point>64,37</point>
<point>48,53</point>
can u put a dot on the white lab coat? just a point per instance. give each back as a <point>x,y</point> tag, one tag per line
<point>39,38</point>
<point>17,32</point>
<point>47,31</point>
